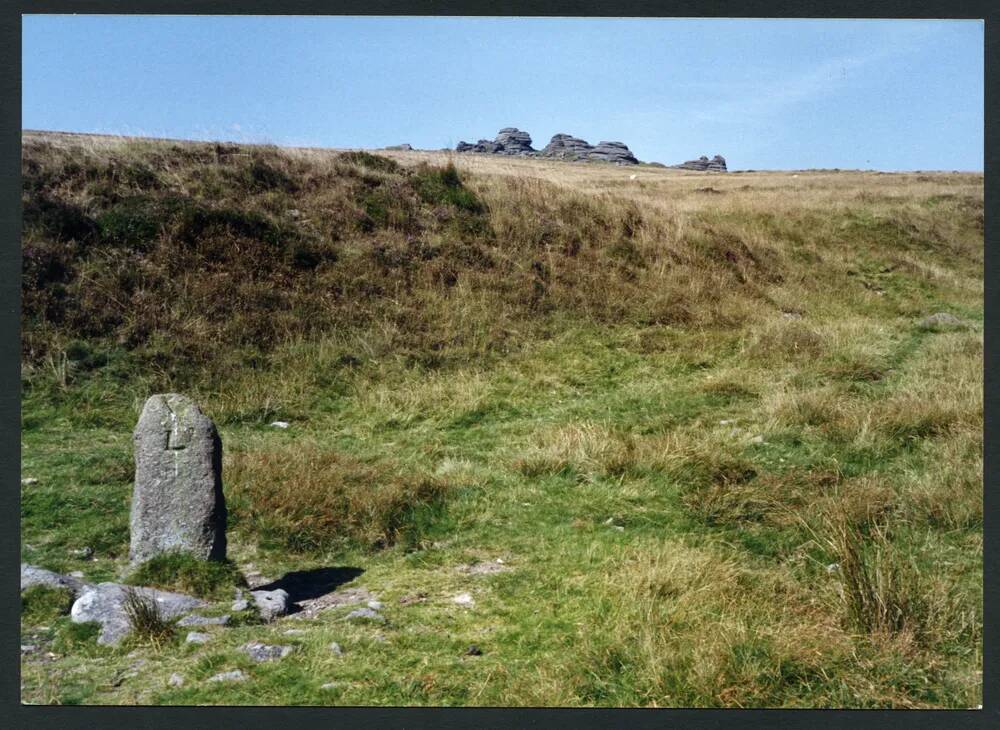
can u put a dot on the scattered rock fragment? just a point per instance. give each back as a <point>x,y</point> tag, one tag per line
<point>266,652</point>
<point>240,604</point>
<point>485,567</point>
<point>329,685</point>
<point>195,620</point>
<point>311,607</point>
<point>473,650</point>
<point>176,680</point>
<point>255,579</point>
<point>196,637</point>
<point>365,614</point>
<point>279,424</point>
<point>336,648</point>
<point>464,599</point>
<point>28,481</point>
<point>84,553</point>
<point>234,676</point>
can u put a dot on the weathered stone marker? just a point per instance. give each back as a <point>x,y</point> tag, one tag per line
<point>177,502</point>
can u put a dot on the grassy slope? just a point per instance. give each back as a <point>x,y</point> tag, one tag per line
<point>612,363</point>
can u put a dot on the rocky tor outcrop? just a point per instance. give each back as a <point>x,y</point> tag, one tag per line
<point>512,141</point>
<point>567,147</point>
<point>703,164</point>
<point>483,146</point>
<point>615,152</point>
<point>509,141</point>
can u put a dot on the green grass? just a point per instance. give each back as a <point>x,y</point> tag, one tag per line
<point>667,467</point>
<point>478,428</point>
<point>41,604</point>
<point>186,574</point>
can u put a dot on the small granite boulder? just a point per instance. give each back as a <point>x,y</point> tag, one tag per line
<point>177,502</point>
<point>105,604</point>
<point>271,604</point>
<point>941,321</point>
<point>33,576</point>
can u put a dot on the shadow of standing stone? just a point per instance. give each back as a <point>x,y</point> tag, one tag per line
<point>177,502</point>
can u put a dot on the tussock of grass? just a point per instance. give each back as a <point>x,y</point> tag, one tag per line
<point>308,498</point>
<point>145,619</point>
<point>586,449</point>
<point>745,656</point>
<point>882,593</point>
<point>186,574</point>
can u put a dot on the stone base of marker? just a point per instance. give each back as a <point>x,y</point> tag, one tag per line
<point>177,502</point>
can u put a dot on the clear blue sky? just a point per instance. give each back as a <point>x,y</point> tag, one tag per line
<point>766,94</point>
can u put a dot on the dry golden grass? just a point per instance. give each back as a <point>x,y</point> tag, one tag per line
<point>307,497</point>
